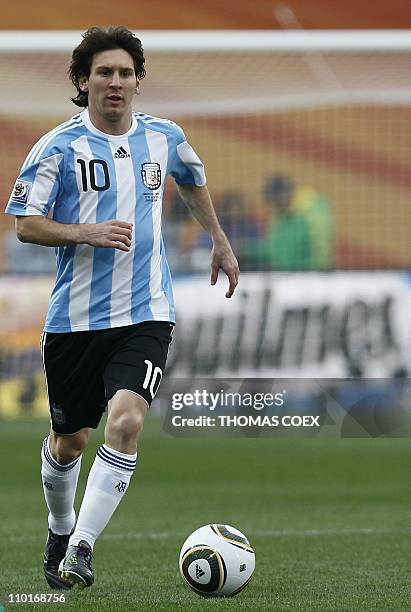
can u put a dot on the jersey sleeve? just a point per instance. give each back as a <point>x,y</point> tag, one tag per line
<point>38,183</point>
<point>186,167</point>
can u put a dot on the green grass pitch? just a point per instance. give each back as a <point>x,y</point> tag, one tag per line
<point>330,521</point>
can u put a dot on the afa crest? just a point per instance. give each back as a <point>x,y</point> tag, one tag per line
<point>58,414</point>
<point>151,175</point>
<point>21,191</point>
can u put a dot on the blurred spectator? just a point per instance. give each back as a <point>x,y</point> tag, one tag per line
<point>241,227</point>
<point>316,209</point>
<point>175,216</point>
<point>299,229</point>
<point>28,258</point>
<point>287,242</point>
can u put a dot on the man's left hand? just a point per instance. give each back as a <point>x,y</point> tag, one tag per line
<point>222,256</point>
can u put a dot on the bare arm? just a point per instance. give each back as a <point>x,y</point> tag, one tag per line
<point>42,230</point>
<point>198,200</point>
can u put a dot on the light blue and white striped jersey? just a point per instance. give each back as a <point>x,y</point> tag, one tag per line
<point>87,176</point>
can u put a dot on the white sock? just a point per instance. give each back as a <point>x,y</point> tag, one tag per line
<point>107,482</point>
<point>59,486</point>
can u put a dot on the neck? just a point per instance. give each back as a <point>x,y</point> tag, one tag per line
<point>114,126</point>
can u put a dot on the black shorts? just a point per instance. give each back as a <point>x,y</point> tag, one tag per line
<point>85,369</point>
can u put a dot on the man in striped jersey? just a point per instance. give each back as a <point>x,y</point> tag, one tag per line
<point>92,188</point>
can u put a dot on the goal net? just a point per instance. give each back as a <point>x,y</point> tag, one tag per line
<point>305,137</point>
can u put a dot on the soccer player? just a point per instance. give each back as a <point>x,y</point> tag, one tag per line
<point>92,187</point>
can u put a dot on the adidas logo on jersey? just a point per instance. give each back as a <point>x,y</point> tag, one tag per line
<point>121,152</point>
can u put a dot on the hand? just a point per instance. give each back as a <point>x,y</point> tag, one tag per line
<point>223,257</point>
<point>108,234</point>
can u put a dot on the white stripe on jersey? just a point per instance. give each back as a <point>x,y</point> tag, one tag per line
<point>43,185</point>
<point>123,262</point>
<point>158,150</point>
<point>41,145</point>
<point>149,119</point>
<point>80,286</point>
<point>190,158</point>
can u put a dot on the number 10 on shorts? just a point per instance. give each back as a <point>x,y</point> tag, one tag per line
<point>153,378</point>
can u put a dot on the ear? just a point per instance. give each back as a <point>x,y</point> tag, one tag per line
<point>83,84</point>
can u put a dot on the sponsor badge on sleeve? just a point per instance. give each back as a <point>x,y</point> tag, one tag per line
<point>21,191</point>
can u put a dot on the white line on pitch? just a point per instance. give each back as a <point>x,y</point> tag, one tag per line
<point>274,533</point>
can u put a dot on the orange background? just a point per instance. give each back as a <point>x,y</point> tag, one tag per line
<point>213,14</point>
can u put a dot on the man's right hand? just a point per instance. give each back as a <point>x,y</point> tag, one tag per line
<point>107,234</point>
<point>42,230</point>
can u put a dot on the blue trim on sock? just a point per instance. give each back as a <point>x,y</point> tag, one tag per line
<point>56,466</point>
<point>113,459</point>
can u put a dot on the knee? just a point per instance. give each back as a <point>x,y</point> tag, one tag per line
<point>127,426</point>
<point>66,449</point>
<point>125,421</point>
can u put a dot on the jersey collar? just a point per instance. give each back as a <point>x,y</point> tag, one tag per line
<point>87,122</point>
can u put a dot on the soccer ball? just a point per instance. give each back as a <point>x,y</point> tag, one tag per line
<point>217,561</point>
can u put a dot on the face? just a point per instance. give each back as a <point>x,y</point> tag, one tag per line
<point>282,201</point>
<point>111,86</point>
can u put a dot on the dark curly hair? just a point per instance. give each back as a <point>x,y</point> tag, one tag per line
<point>96,40</point>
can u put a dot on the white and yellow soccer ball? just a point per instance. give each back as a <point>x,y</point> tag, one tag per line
<point>217,561</point>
